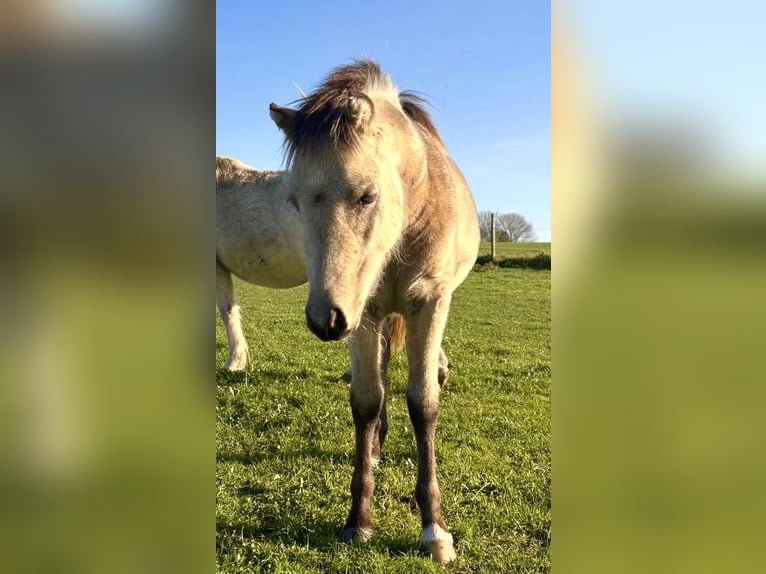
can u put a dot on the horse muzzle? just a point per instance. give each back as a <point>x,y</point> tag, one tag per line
<point>330,327</point>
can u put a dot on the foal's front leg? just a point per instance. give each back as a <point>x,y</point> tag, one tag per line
<point>367,397</point>
<point>425,328</point>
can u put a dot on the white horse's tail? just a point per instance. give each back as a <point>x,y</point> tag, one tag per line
<point>397,329</point>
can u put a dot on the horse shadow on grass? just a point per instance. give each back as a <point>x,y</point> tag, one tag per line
<point>250,457</point>
<point>298,529</point>
<point>231,378</point>
<point>320,532</point>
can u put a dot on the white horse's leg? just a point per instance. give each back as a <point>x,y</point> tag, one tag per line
<point>425,327</point>
<point>232,320</point>
<point>367,397</point>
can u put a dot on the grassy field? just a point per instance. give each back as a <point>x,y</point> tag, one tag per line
<point>508,248</point>
<point>285,440</point>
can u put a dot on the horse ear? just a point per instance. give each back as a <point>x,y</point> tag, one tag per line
<point>283,117</point>
<point>360,110</point>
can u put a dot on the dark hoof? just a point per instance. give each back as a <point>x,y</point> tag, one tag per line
<point>346,376</point>
<point>356,535</point>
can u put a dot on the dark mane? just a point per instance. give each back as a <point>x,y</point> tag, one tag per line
<point>414,107</point>
<point>324,113</point>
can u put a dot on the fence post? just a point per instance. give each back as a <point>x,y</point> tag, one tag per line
<point>492,234</point>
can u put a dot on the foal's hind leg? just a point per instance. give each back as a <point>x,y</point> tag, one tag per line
<point>425,328</point>
<point>443,368</point>
<point>367,394</point>
<point>381,427</point>
<point>230,314</point>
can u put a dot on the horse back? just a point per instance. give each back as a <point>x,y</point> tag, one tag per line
<point>258,233</point>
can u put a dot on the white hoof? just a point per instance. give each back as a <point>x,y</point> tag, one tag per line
<point>442,552</point>
<point>439,544</point>
<point>236,363</point>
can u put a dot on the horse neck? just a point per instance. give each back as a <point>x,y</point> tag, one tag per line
<point>424,183</point>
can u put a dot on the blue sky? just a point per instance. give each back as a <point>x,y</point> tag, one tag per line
<point>485,68</point>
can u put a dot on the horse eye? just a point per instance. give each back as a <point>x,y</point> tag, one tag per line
<point>318,198</point>
<point>368,198</point>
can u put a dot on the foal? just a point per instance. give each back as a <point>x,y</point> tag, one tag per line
<point>389,226</point>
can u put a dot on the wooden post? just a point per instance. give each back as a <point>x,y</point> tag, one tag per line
<point>492,234</point>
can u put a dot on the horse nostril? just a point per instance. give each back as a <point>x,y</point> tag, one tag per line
<point>332,328</point>
<point>337,322</point>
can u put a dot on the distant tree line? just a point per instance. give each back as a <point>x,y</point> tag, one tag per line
<point>508,227</point>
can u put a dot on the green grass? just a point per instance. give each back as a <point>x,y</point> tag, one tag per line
<point>285,440</point>
<point>511,249</point>
<point>514,255</point>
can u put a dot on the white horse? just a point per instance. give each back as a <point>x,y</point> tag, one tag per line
<point>389,226</point>
<point>258,238</point>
